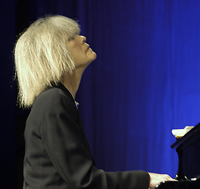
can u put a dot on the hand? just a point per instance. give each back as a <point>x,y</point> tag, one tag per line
<point>157,178</point>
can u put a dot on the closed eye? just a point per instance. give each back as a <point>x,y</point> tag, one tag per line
<point>70,38</point>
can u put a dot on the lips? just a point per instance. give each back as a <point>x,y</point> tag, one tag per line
<point>88,46</point>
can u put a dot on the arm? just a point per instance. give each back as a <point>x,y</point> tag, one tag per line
<point>63,140</point>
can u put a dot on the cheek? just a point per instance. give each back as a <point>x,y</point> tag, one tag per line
<point>72,51</point>
<point>71,45</point>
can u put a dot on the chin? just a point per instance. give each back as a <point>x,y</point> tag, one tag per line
<point>90,58</point>
<point>94,55</point>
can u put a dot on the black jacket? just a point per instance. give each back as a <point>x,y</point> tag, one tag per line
<point>58,155</point>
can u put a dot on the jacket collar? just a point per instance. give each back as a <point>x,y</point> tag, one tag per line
<point>66,91</point>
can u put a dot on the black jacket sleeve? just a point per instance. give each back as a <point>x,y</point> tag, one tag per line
<point>65,143</point>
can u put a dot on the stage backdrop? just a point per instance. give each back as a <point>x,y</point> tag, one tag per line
<point>145,80</point>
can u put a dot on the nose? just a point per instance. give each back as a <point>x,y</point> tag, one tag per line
<point>83,39</point>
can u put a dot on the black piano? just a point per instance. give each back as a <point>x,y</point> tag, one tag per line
<point>188,150</point>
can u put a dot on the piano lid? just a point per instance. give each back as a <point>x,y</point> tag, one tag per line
<point>188,149</point>
<point>188,138</point>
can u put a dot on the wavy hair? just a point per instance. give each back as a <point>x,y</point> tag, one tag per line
<point>41,56</point>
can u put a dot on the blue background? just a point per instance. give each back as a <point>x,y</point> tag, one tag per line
<point>144,82</point>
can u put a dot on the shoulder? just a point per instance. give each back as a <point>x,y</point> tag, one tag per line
<point>54,101</point>
<point>52,93</point>
<point>54,97</point>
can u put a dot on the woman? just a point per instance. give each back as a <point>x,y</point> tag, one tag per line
<point>50,58</point>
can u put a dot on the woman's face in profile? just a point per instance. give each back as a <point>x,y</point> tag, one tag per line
<point>80,51</point>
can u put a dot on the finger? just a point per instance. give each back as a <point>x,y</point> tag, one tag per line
<point>170,179</point>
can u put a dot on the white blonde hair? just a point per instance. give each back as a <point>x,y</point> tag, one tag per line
<point>41,56</point>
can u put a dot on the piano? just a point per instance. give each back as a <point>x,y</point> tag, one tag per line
<point>188,150</point>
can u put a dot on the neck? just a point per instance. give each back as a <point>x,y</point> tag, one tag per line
<point>72,81</point>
